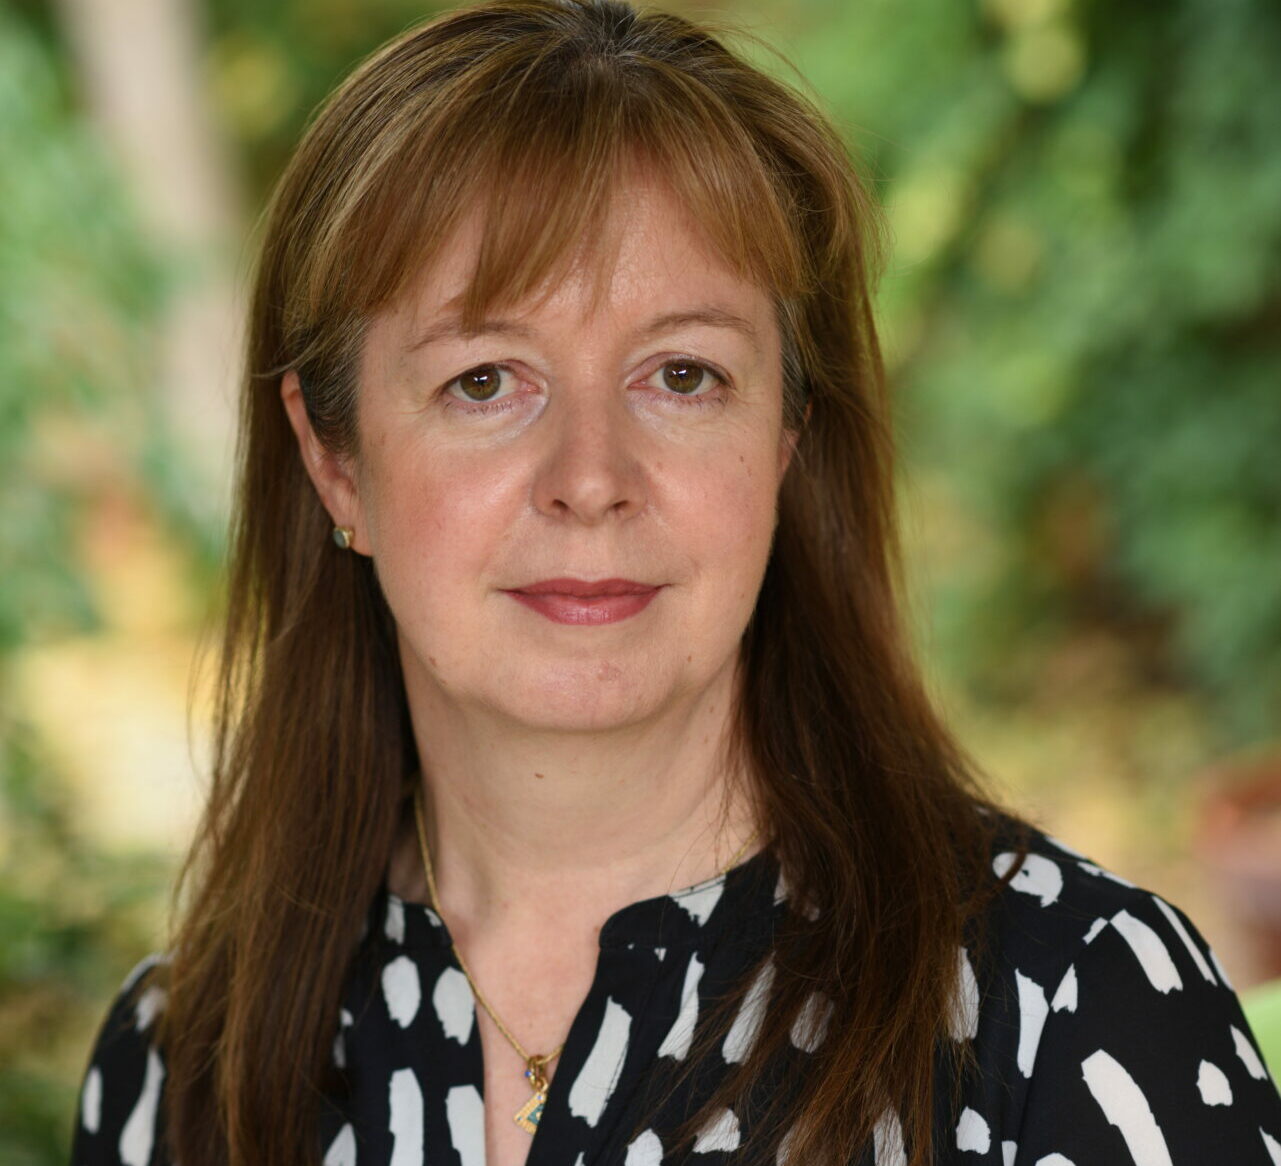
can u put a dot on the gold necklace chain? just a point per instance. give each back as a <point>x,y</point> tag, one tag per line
<point>528,1115</point>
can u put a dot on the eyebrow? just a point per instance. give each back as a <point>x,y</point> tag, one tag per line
<point>450,328</point>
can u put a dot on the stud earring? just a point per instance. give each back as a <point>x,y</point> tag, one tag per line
<point>343,536</point>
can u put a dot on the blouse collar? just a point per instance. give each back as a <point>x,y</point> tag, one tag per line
<point>749,890</point>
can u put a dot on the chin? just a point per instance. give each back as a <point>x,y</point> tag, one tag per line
<point>595,698</point>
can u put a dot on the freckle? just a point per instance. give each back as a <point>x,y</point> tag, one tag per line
<point>432,661</point>
<point>688,658</point>
<point>539,776</point>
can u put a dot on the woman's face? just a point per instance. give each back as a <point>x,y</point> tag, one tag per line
<point>637,438</point>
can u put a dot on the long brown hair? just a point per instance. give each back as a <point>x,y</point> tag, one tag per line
<point>528,109</point>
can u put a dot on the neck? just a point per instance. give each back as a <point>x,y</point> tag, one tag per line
<point>523,825</point>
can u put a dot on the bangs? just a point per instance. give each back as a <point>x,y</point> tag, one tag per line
<point>539,146</point>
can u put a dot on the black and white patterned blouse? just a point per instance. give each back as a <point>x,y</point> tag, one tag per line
<point>1108,1034</point>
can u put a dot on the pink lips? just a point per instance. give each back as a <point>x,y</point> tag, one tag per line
<point>577,601</point>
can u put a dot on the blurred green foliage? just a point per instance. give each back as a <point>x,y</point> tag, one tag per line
<point>270,65</point>
<point>1085,314</point>
<point>78,291</point>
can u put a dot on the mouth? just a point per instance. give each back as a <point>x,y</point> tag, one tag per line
<point>586,589</point>
<point>586,603</point>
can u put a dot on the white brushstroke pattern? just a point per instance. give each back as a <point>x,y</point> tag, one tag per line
<point>91,1101</point>
<point>676,1042</point>
<point>699,901</point>
<point>140,1128</point>
<point>1125,1106</point>
<point>964,1018</point>
<point>810,1026</point>
<point>342,1150</point>
<point>465,1112</point>
<point>1249,1058</point>
<point>1182,932</point>
<point>887,1140</point>
<point>1095,927</point>
<point>1055,1159</point>
<point>1065,994</point>
<point>646,1150</point>
<point>454,1004</point>
<point>1223,975</point>
<point>1153,956</point>
<point>1009,1151</point>
<point>742,1033</point>
<point>1272,1146</point>
<point>149,1006</point>
<point>1032,1013</point>
<point>972,1132</point>
<point>340,1039</point>
<point>1039,876</point>
<point>721,1133</point>
<point>595,1083</point>
<point>406,1122</point>
<point>1212,1083</point>
<point>402,990</point>
<point>394,924</point>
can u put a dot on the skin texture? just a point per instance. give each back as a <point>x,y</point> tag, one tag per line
<point>569,770</point>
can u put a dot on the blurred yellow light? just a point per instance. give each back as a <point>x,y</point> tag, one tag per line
<point>1044,63</point>
<point>1015,14</point>
<point>1008,253</point>
<point>925,211</point>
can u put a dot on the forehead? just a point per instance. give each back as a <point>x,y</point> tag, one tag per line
<point>647,255</point>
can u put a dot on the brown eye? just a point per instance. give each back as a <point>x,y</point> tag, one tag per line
<point>480,384</point>
<point>683,376</point>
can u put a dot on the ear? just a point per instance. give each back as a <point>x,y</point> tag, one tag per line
<point>332,475</point>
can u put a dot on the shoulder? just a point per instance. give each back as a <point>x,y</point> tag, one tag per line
<point>119,1101</point>
<point>1102,1020</point>
<point>1060,906</point>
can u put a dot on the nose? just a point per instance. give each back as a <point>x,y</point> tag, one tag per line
<point>592,468</point>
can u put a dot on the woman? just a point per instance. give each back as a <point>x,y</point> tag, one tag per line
<point>582,804</point>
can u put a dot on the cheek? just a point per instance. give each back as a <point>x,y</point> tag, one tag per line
<point>729,512</point>
<point>437,518</point>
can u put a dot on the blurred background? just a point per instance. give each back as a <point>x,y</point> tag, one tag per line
<point>1082,318</point>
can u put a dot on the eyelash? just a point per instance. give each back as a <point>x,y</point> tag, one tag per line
<point>506,403</point>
